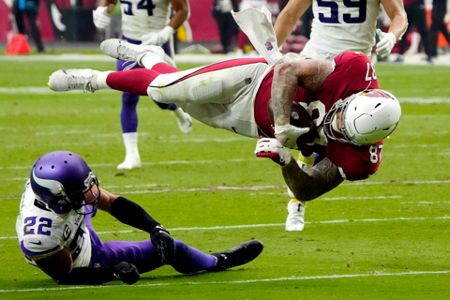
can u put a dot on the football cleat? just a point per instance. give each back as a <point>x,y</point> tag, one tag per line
<point>295,220</point>
<point>184,120</point>
<point>73,79</point>
<point>236,256</point>
<point>130,163</point>
<point>123,50</point>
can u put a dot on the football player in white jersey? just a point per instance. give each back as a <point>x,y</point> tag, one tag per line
<point>338,25</point>
<point>55,232</point>
<point>148,22</point>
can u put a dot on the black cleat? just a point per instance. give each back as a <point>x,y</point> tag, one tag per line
<point>236,256</point>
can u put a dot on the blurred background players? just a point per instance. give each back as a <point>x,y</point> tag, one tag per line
<point>438,12</point>
<point>228,29</point>
<point>149,23</point>
<point>338,26</point>
<point>27,10</point>
<point>55,231</point>
<point>415,11</point>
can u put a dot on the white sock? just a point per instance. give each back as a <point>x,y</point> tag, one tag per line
<point>148,60</point>
<point>100,79</point>
<point>130,140</point>
<point>179,113</point>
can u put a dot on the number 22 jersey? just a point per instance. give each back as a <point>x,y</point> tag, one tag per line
<point>42,232</point>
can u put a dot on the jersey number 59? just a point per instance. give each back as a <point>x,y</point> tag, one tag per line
<point>346,11</point>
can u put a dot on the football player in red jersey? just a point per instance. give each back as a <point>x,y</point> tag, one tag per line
<point>351,116</point>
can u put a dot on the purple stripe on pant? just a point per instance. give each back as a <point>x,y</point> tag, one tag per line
<point>144,256</point>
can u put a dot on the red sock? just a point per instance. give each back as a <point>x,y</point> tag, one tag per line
<point>134,81</point>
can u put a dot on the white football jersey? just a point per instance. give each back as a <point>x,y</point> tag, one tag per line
<point>140,17</point>
<point>41,231</point>
<point>340,25</point>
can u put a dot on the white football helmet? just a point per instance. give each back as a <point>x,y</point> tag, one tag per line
<point>368,117</point>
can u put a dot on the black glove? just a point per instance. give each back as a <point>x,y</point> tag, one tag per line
<point>126,272</point>
<point>164,244</point>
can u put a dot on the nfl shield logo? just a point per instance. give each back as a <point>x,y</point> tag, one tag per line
<point>269,46</point>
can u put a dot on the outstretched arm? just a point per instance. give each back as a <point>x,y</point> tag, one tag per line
<point>321,178</point>
<point>131,213</point>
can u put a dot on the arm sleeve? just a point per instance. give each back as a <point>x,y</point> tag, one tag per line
<point>132,214</point>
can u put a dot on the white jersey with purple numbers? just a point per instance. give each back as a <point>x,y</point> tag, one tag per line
<point>140,17</point>
<point>42,232</point>
<point>340,25</point>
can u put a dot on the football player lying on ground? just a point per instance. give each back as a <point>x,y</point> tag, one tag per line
<point>55,231</point>
<point>333,108</point>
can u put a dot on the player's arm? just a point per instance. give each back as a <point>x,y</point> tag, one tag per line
<point>396,13</point>
<point>58,266</point>
<point>132,214</point>
<point>289,17</point>
<point>288,75</point>
<point>100,15</point>
<point>321,178</point>
<point>181,13</point>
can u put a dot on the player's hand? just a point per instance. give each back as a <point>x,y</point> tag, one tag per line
<point>386,42</point>
<point>100,17</point>
<point>164,244</point>
<point>288,134</point>
<point>272,148</point>
<point>126,272</point>
<point>158,38</point>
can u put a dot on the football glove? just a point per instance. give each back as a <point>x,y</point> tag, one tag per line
<point>126,272</point>
<point>164,244</point>
<point>158,38</point>
<point>100,17</point>
<point>272,148</point>
<point>288,134</point>
<point>386,43</point>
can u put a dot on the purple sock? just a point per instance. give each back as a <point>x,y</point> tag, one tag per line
<point>128,114</point>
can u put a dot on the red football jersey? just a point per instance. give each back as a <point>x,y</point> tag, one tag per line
<point>353,73</point>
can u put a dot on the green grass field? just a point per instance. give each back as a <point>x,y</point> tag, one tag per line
<point>384,238</point>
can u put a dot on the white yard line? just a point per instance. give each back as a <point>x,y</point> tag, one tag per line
<point>270,225</point>
<point>232,282</point>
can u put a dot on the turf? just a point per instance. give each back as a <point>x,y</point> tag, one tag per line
<point>385,238</point>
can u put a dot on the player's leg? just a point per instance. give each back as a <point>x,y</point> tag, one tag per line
<point>134,81</point>
<point>187,259</point>
<point>295,220</point>
<point>190,260</point>
<point>129,125</point>
<point>183,119</point>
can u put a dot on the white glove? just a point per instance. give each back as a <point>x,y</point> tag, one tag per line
<point>273,149</point>
<point>288,134</point>
<point>386,42</point>
<point>158,38</point>
<point>100,17</point>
